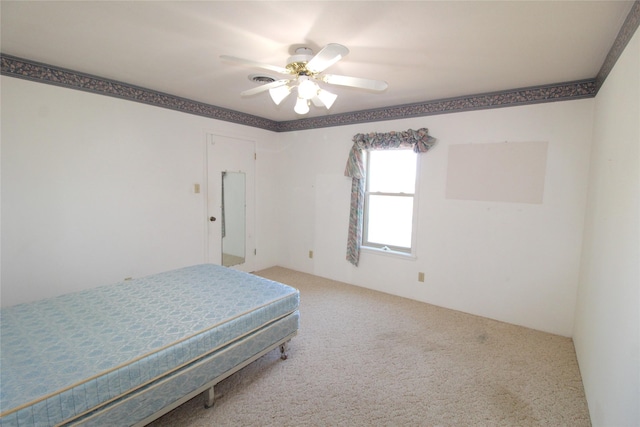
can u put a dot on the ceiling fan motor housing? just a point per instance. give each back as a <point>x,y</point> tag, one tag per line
<point>297,63</point>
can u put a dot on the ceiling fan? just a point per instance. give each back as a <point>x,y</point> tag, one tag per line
<point>305,71</point>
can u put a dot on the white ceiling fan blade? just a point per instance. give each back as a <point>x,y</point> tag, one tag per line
<point>251,63</point>
<point>375,85</point>
<point>264,88</point>
<point>329,55</point>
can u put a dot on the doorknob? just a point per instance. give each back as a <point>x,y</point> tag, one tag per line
<point>212,218</point>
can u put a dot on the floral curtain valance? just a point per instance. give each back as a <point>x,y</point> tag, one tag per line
<point>418,140</point>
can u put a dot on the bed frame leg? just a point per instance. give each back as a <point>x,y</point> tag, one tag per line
<point>283,350</point>
<point>209,398</point>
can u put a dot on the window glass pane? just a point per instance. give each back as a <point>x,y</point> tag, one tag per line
<point>390,220</point>
<point>392,171</point>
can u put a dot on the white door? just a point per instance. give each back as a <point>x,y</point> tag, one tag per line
<point>231,201</point>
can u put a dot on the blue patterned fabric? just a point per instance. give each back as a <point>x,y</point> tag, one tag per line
<point>61,357</point>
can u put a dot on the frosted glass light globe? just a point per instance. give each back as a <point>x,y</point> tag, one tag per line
<point>307,88</point>
<point>302,106</point>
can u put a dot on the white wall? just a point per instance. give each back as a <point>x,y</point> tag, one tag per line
<point>607,332</point>
<point>513,262</point>
<point>96,189</point>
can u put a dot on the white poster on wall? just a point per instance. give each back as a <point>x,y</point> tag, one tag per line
<point>503,172</point>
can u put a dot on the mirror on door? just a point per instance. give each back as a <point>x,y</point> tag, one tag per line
<point>233,218</point>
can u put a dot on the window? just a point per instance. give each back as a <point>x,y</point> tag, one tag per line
<point>417,141</point>
<point>390,200</point>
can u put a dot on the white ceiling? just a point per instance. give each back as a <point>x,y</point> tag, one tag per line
<point>425,50</point>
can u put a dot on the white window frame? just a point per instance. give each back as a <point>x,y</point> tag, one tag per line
<point>382,248</point>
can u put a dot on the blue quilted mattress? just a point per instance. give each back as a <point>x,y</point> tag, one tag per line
<point>62,357</point>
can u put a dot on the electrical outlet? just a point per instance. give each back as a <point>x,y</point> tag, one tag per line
<point>310,254</point>
<point>421,277</point>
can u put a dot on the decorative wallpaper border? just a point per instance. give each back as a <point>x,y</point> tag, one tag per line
<point>35,71</point>
<point>625,34</point>
<point>507,98</point>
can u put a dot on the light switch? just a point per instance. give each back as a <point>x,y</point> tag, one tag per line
<point>196,188</point>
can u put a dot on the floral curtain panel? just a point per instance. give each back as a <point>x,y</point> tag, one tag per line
<point>419,140</point>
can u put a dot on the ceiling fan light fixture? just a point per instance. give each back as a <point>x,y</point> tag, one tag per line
<point>307,88</point>
<point>304,72</point>
<point>327,97</point>
<point>302,106</point>
<point>278,94</point>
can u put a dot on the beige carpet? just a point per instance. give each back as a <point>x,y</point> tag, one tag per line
<point>364,358</point>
